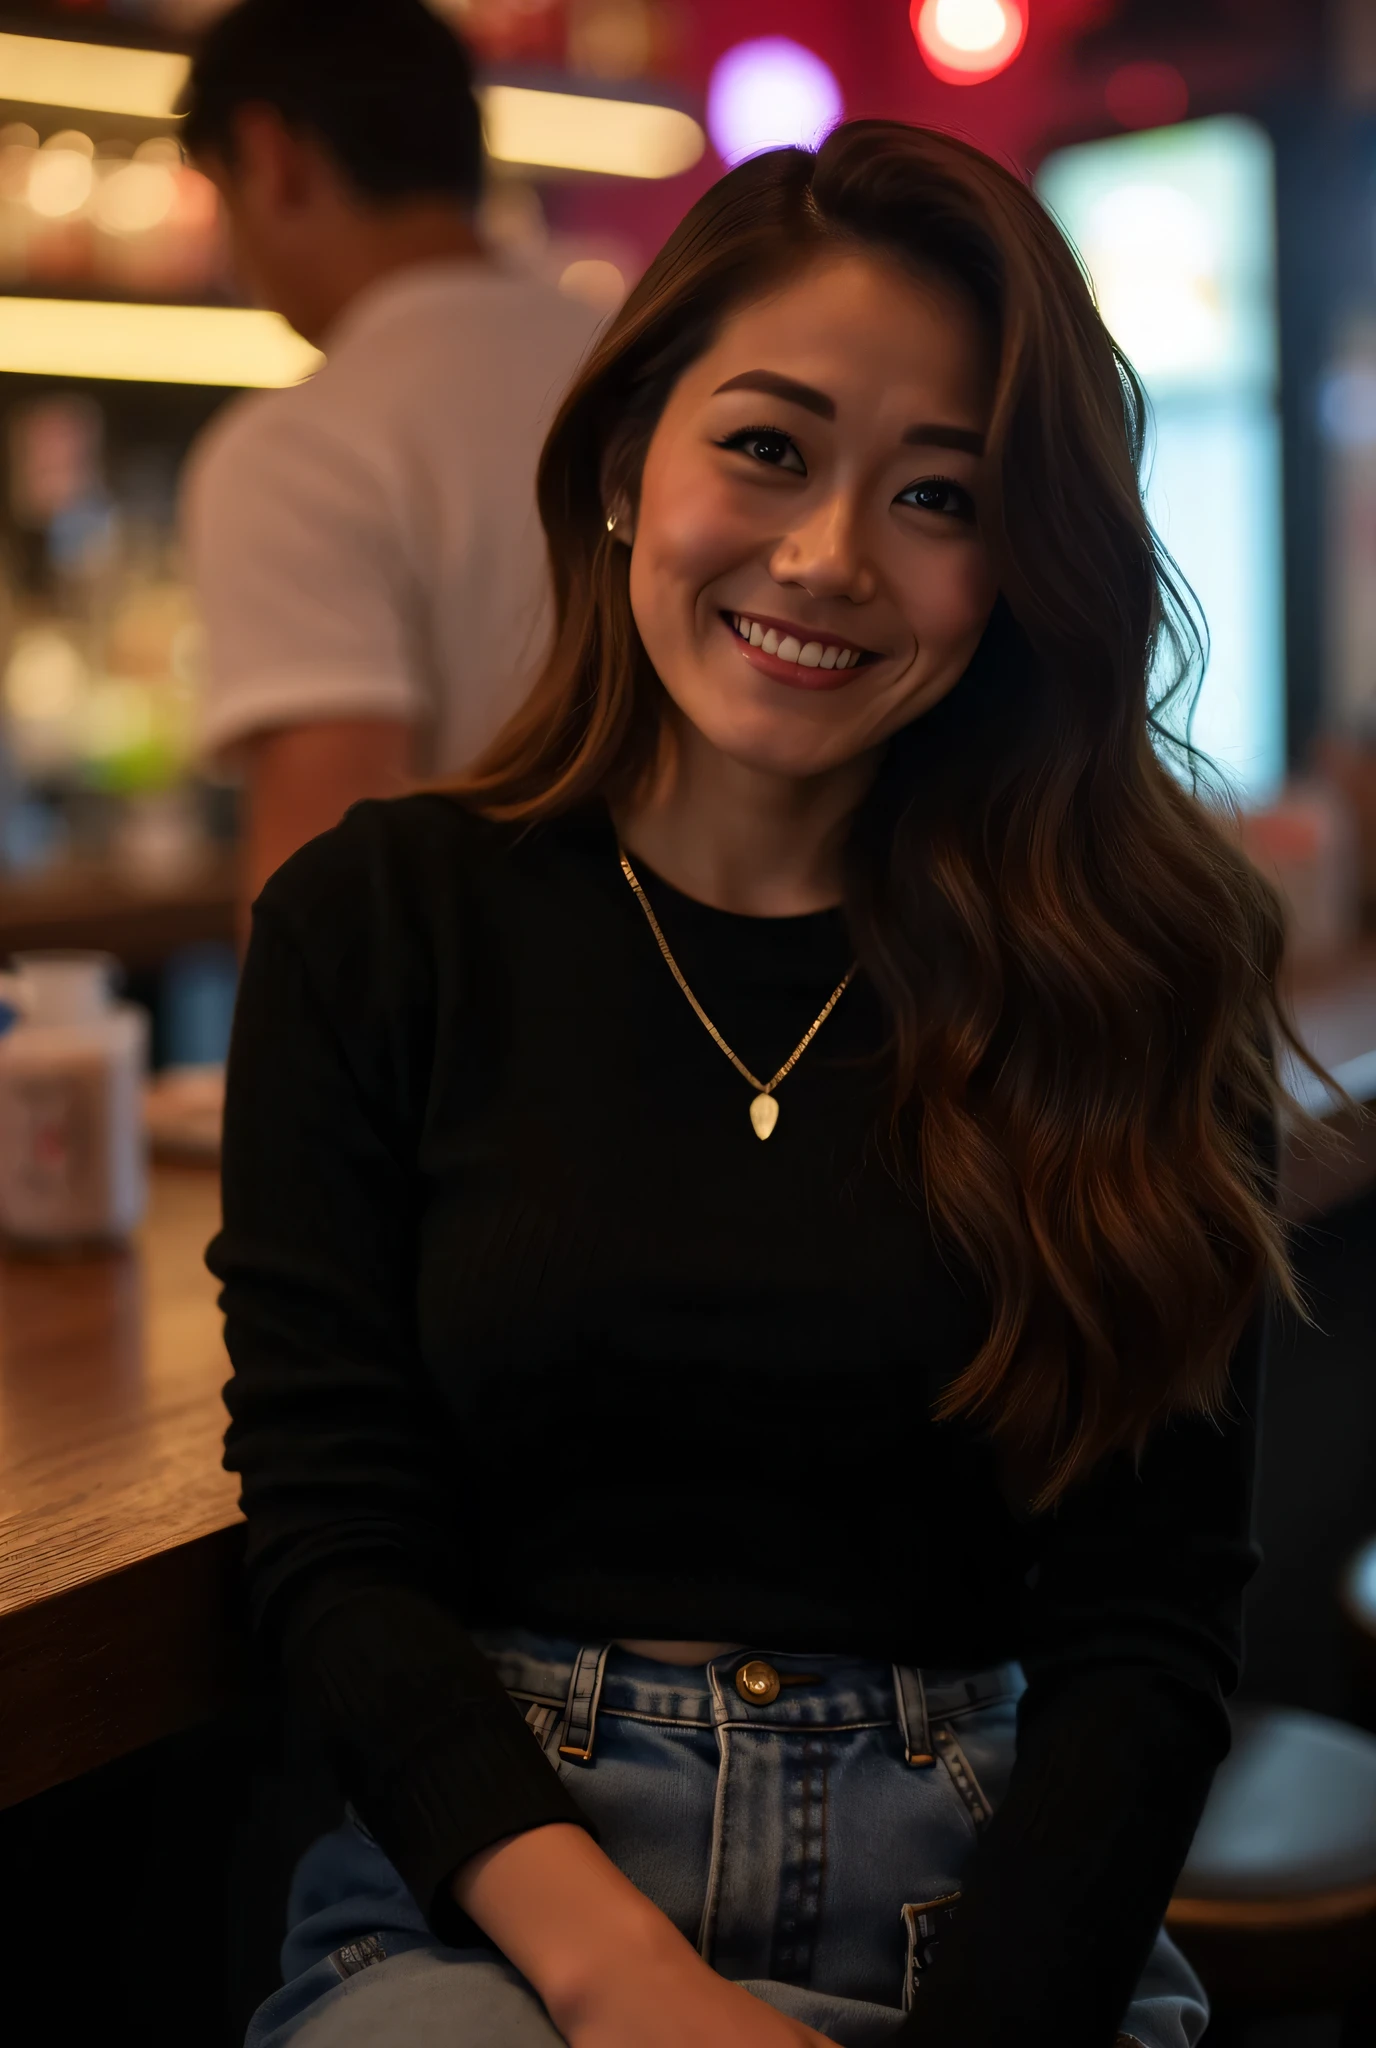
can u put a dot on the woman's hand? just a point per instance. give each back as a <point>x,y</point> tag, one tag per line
<point>612,1970</point>
<point>694,2008</point>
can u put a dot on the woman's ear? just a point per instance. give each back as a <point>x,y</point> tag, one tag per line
<point>620,483</point>
<point>620,520</point>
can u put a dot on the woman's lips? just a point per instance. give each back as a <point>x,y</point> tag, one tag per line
<point>797,655</point>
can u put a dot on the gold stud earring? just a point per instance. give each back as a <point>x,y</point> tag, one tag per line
<point>611,522</point>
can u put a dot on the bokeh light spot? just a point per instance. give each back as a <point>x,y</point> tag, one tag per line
<point>595,281</point>
<point>135,198</point>
<point>1347,408</point>
<point>965,42</point>
<point>770,94</point>
<point>46,676</point>
<point>61,175</point>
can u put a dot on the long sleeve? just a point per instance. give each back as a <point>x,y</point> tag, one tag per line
<point>1134,1639</point>
<point>350,1467</point>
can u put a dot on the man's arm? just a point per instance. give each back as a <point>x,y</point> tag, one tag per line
<point>300,780</point>
<point>312,613</point>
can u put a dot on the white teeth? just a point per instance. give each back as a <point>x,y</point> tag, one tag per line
<point>788,647</point>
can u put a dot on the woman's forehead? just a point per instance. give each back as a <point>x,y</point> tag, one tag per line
<point>857,327</point>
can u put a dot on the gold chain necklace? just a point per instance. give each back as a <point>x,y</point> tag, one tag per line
<point>764,1110</point>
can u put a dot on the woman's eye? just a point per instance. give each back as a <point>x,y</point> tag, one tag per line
<point>939,494</point>
<point>769,446</point>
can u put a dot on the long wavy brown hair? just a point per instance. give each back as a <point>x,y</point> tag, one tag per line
<point>1078,963</point>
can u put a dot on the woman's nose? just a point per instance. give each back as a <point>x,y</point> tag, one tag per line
<point>825,554</point>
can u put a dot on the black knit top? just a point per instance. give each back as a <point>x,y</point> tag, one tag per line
<point>503,1260</point>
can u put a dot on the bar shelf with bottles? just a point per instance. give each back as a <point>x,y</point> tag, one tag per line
<point>109,837</point>
<point>112,835</point>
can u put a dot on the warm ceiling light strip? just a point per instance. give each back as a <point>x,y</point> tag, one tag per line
<point>554,130</point>
<point>570,132</point>
<point>99,77</point>
<point>151,344</point>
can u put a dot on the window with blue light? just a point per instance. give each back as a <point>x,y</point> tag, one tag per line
<point>1176,228</point>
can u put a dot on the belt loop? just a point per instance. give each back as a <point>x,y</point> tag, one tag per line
<point>911,1699</point>
<point>580,1709</point>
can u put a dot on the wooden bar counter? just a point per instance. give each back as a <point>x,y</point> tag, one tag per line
<point>119,1532</point>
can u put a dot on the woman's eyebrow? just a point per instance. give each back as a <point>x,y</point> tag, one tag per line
<point>935,435</point>
<point>781,387</point>
<point>931,434</point>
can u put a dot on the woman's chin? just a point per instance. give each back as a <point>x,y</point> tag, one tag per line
<point>791,764</point>
<point>786,747</point>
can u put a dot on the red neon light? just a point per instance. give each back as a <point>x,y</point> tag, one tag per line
<point>964,42</point>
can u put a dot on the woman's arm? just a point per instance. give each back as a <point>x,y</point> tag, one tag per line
<point>1134,1639</point>
<point>612,1971</point>
<point>353,1476</point>
<point>348,1466</point>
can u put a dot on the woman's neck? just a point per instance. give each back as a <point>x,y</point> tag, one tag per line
<point>739,838</point>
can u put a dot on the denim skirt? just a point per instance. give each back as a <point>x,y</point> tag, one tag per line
<point>806,1822</point>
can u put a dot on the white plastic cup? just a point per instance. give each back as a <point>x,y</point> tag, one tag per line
<point>73,1153</point>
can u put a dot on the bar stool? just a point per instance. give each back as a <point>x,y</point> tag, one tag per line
<point>1276,1906</point>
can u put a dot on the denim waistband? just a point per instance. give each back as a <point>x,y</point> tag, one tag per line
<point>584,1680</point>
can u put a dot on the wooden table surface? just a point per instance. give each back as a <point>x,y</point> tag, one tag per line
<point>119,1532</point>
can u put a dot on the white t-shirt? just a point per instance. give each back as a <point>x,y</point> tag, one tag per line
<point>366,544</point>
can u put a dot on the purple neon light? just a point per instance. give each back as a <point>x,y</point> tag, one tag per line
<point>768,94</point>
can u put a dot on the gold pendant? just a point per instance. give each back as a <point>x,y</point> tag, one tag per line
<point>764,1114</point>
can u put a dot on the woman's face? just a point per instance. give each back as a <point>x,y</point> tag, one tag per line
<point>807,568</point>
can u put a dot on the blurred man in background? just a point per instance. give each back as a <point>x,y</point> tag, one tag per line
<point>365,546</point>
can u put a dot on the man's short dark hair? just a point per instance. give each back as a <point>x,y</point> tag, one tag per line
<point>385,85</point>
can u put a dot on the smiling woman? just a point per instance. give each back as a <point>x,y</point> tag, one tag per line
<point>944,488</point>
<point>852,497</point>
<point>747,1218</point>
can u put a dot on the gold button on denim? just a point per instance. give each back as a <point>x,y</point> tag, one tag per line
<point>757,1682</point>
